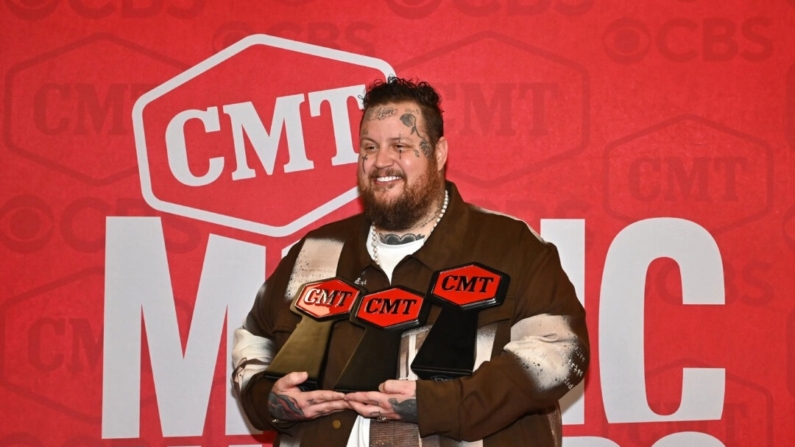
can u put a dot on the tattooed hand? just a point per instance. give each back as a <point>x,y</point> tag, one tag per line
<point>394,400</point>
<point>287,402</point>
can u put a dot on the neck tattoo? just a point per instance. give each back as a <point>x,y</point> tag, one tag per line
<point>438,216</point>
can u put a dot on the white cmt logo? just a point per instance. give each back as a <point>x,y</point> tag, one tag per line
<point>243,122</point>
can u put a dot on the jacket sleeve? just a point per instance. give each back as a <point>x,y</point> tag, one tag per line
<point>546,356</point>
<point>257,342</point>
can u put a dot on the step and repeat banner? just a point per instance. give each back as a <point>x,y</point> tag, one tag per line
<point>160,156</point>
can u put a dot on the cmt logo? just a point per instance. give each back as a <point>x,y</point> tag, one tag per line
<point>326,299</point>
<point>69,110</point>
<point>248,124</point>
<point>528,104</point>
<point>53,334</point>
<point>692,168</point>
<point>81,109</point>
<point>471,286</point>
<point>465,284</point>
<point>393,308</point>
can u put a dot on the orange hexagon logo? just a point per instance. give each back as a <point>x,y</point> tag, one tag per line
<point>327,299</point>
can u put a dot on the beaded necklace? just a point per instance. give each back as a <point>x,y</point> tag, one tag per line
<point>438,218</point>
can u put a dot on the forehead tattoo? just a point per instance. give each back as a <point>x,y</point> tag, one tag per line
<point>380,113</point>
<point>410,121</point>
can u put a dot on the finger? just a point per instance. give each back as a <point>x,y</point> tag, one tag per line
<point>369,405</point>
<point>365,397</point>
<point>291,380</point>
<point>365,409</point>
<point>320,396</point>
<point>326,408</point>
<point>390,387</point>
<point>405,387</point>
<point>355,396</point>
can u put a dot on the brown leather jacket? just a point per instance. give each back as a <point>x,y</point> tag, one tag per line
<point>531,350</point>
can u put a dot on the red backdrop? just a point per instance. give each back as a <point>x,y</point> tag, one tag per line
<point>159,156</point>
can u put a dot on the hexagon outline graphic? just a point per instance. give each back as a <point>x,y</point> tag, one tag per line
<point>18,68</point>
<point>586,106</point>
<point>690,362</point>
<point>21,298</point>
<point>199,69</point>
<point>768,155</point>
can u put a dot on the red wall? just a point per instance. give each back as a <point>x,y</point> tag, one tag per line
<point>662,133</point>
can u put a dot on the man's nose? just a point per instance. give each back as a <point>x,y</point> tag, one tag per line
<point>383,158</point>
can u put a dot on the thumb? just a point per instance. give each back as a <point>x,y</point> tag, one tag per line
<point>391,387</point>
<point>293,379</point>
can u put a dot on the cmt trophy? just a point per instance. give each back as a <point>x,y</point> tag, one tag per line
<point>320,304</point>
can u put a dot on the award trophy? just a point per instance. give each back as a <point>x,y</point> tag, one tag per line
<point>385,315</point>
<point>320,304</point>
<point>448,351</point>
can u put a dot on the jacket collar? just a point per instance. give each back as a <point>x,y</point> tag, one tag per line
<point>443,246</point>
<point>447,241</point>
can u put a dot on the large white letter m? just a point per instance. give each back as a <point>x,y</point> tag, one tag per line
<point>138,285</point>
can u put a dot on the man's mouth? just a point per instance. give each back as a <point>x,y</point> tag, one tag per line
<point>387,178</point>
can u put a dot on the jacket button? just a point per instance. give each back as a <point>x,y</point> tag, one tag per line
<point>336,424</point>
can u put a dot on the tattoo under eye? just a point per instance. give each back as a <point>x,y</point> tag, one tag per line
<point>426,148</point>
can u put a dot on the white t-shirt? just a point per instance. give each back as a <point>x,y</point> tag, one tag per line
<point>388,258</point>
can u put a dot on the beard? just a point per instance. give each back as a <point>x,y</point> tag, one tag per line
<point>406,210</point>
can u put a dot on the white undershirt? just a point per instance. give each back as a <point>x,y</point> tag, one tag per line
<point>389,255</point>
<point>388,258</point>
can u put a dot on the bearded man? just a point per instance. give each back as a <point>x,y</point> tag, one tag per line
<point>531,349</point>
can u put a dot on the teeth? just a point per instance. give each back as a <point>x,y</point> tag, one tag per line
<point>387,179</point>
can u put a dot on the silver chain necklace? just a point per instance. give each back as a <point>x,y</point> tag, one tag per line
<point>438,218</point>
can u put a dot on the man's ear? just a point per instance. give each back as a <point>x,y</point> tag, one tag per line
<point>441,153</point>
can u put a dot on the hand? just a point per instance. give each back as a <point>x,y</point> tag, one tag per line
<point>395,400</point>
<point>287,402</point>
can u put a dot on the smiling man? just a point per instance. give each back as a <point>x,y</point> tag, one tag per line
<point>531,349</point>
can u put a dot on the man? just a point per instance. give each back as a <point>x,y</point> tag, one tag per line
<point>530,350</point>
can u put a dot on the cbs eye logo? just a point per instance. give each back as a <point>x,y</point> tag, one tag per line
<point>627,40</point>
<point>229,33</point>
<point>413,9</point>
<point>32,10</point>
<point>26,224</point>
